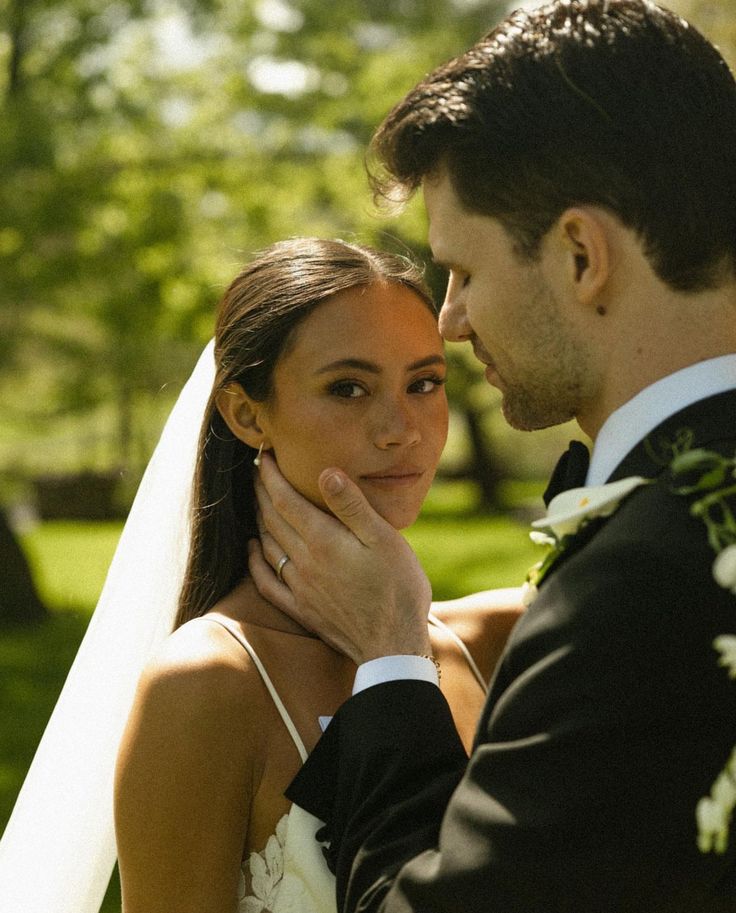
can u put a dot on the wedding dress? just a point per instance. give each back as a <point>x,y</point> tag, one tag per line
<point>290,875</point>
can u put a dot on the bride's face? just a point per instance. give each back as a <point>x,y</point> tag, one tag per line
<point>360,386</point>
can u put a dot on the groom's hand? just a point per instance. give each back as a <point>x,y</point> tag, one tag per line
<point>351,578</point>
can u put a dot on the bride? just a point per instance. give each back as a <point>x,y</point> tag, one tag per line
<point>325,354</point>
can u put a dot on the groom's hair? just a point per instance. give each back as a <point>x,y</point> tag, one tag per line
<point>616,103</point>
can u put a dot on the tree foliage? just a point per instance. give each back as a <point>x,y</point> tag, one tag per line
<point>149,147</point>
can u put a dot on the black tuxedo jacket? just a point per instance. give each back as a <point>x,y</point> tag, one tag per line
<point>608,719</point>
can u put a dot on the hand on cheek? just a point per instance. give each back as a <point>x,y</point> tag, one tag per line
<point>351,578</point>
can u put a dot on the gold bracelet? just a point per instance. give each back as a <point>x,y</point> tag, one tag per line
<point>436,664</point>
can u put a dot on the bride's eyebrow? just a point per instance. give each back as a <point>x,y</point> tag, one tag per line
<point>427,362</point>
<point>360,364</point>
<point>357,364</point>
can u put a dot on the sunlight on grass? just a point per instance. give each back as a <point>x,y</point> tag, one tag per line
<point>70,560</point>
<point>464,555</point>
<point>461,551</point>
<point>34,662</point>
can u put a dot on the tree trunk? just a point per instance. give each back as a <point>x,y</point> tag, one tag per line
<point>17,45</point>
<point>19,599</point>
<point>125,425</point>
<point>484,467</point>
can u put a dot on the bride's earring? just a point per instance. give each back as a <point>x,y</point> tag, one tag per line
<point>257,460</point>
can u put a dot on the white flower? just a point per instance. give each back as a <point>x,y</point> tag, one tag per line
<point>569,509</point>
<point>266,871</point>
<point>724,568</point>
<point>724,791</point>
<point>726,646</point>
<point>712,826</point>
<point>261,882</point>
<point>713,813</point>
<point>529,593</point>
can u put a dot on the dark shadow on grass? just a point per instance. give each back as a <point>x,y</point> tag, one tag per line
<point>34,661</point>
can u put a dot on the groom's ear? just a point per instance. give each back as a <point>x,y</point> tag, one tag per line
<point>241,414</point>
<point>583,233</point>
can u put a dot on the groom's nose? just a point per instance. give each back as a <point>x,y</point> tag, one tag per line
<point>453,320</point>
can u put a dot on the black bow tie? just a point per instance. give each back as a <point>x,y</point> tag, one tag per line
<point>570,471</point>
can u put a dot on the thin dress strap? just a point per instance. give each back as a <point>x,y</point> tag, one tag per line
<point>433,620</point>
<point>284,713</point>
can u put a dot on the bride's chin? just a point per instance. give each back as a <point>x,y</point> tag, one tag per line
<point>400,516</point>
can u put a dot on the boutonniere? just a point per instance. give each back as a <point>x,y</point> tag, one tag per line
<point>567,515</point>
<point>710,479</point>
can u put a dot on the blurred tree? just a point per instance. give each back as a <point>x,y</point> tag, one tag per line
<point>143,144</point>
<point>19,599</point>
<point>363,57</point>
<point>148,146</point>
<point>146,143</point>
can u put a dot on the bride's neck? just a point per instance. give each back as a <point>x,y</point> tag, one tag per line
<point>246,604</point>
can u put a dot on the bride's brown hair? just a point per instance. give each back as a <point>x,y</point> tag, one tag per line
<point>256,320</point>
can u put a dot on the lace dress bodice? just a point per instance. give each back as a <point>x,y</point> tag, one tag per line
<point>290,874</point>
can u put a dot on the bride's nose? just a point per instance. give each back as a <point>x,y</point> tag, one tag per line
<point>396,426</point>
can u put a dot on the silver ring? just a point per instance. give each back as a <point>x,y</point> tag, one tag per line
<point>280,567</point>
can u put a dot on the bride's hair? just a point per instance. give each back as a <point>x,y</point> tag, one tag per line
<point>256,319</point>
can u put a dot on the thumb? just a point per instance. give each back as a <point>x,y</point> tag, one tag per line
<point>348,503</point>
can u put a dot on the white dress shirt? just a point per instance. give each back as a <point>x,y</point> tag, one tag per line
<point>620,433</point>
<point>633,421</point>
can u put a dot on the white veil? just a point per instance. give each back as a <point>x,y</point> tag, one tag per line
<point>58,849</point>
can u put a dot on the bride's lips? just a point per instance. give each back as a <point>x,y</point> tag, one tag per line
<point>396,477</point>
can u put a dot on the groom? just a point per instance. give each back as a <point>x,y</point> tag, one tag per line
<point>579,171</point>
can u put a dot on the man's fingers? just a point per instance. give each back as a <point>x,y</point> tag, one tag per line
<point>272,524</point>
<point>348,503</point>
<point>266,581</point>
<point>272,550</point>
<point>291,518</point>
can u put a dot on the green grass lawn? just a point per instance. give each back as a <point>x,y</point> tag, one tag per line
<point>461,551</point>
<point>70,560</point>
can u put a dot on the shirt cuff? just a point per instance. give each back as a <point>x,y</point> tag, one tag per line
<point>392,668</point>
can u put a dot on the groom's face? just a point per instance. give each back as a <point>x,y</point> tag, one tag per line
<point>503,305</point>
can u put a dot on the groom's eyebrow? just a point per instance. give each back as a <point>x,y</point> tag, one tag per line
<point>360,364</point>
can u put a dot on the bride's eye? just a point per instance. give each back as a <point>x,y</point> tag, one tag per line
<point>347,389</point>
<point>426,384</point>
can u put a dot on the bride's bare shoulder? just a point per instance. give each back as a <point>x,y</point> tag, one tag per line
<point>192,756</point>
<point>483,621</point>
<point>472,616</point>
<point>203,666</point>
